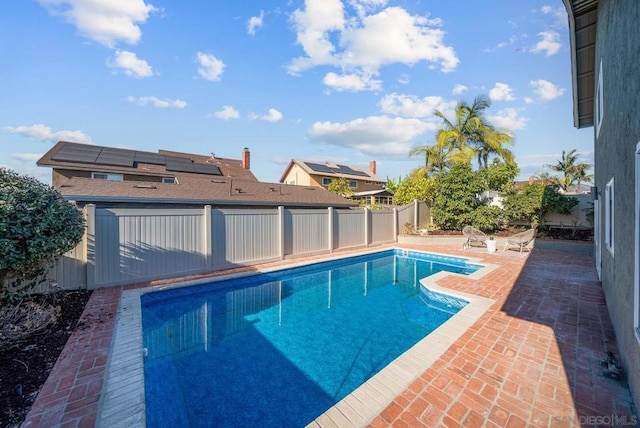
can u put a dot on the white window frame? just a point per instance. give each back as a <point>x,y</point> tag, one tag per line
<point>326,181</point>
<point>353,184</point>
<point>599,103</point>
<point>107,176</point>
<point>636,273</point>
<point>609,216</point>
<point>169,180</point>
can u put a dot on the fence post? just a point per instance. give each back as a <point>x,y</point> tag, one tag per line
<point>416,214</point>
<point>208,241</point>
<point>367,226</point>
<point>282,231</point>
<point>90,248</point>
<point>395,224</point>
<point>330,229</point>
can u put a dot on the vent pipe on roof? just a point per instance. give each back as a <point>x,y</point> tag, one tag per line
<point>246,158</point>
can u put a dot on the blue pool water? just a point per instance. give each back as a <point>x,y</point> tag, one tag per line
<point>280,348</point>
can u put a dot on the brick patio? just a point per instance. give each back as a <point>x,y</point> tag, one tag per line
<point>533,359</point>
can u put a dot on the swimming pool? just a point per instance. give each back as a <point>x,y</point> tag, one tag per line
<point>278,349</point>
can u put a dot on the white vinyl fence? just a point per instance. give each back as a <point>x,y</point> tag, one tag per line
<point>130,245</point>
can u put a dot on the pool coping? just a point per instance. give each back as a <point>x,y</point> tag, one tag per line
<point>122,402</point>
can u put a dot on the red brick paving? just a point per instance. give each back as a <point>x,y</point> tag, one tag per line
<point>533,359</point>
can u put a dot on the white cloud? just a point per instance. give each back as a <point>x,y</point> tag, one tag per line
<point>272,116</point>
<point>412,106</point>
<point>528,100</point>
<point>558,13</point>
<point>375,135</point>
<point>104,21</point>
<point>362,7</point>
<point>550,43</point>
<point>546,90</point>
<point>254,22</point>
<point>508,119</point>
<point>501,45</point>
<point>227,112</point>
<point>131,64</point>
<point>26,157</point>
<point>209,67</point>
<point>364,43</point>
<point>458,89</point>
<point>501,92</point>
<point>351,82</point>
<point>44,133</point>
<point>404,79</point>
<point>157,102</point>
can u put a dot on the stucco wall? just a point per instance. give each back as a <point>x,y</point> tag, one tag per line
<point>618,46</point>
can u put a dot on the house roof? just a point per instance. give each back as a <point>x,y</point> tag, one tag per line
<point>381,192</point>
<point>583,17</point>
<point>194,189</point>
<point>329,169</point>
<point>67,155</point>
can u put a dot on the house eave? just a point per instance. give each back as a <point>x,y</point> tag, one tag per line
<point>582,34</point>
<point>183,201</point>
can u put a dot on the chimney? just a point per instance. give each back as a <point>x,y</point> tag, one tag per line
<point>372,167</point>
<point>246,158</point>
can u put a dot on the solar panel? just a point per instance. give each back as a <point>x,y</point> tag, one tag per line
<point>77,153</point>
<point>343,169</point>
<point>318,167</point>
<point>118,157</point>
<point>151,158</point>
<point>202,168</point>
<point>179,164</point>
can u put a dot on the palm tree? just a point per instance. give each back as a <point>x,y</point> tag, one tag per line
<point>489,142</point>
<point>436,157</point>
<point>572,171</point>
<point>469,134</point>
<point>581,175</point>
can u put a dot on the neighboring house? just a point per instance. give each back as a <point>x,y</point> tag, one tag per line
<point>605,53</point>
<point>374,197</point>
<point>307,173</point>
<point>119,177</point>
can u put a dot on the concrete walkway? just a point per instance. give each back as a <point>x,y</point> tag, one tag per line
<point>533,359</point>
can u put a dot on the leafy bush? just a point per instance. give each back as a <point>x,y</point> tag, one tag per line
<point>455,200</point>
<point>488,218</point>
<point>533,201</point>
<point>415,186</point>
<point>36,227</point>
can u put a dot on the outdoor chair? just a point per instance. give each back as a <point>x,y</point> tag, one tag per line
<point>521,240</point>
<point>474,236</point>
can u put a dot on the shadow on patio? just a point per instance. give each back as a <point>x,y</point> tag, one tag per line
<point>533,359</point>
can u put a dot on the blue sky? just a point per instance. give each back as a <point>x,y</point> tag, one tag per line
<point>325,80</point>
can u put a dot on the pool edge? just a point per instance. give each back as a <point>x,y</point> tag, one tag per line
<point>122,402</point>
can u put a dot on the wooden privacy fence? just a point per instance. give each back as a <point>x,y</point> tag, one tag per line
<point>128,245</point>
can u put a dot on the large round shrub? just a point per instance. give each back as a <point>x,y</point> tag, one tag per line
<point>37,226</point>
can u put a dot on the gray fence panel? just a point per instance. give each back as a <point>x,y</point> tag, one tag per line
<point>424,214</point>
<point>406,215</point>
<point>70,270</point>
<point>348,228</point>
<point>241,236</point>
<point>306,231</point>
<point>137,244</point>
<point>578,217</point>
<point>381,226</point>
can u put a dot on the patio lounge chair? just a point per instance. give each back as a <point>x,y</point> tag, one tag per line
<point>474,236</point>
<point>521,240</point>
